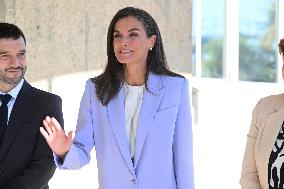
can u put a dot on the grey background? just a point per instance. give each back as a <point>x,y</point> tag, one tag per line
<point>68,36</point>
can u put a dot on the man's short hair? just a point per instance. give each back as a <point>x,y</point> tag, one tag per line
<point>10,31</point>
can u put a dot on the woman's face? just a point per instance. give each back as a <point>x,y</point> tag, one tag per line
<point>130,41</point>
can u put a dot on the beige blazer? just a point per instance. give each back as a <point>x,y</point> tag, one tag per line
<point>267,119</point>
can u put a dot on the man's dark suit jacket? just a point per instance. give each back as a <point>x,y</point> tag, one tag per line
<point>26,161</point>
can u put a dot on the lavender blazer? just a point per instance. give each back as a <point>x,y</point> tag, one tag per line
<point>163,155</point>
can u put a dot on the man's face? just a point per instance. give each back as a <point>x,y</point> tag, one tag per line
<point>12,61</point>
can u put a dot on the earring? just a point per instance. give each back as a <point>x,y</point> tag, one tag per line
<point>150,48</point>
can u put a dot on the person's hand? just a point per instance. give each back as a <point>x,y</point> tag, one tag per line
<point>55,136</point>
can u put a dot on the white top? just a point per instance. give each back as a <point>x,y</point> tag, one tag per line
<point>133,96</point>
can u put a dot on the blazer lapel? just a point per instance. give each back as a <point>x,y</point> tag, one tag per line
<point>272,126</point>
<point>150,104</point>
<point>115,110</point>
<point>17,117</point>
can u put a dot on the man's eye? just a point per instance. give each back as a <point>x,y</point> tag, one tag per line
<point>4,56</point>
<point>21,55</point>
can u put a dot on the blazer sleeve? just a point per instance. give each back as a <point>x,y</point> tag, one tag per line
<point>83,143</point>
<point>41,168</point>
<point>183,142</point>
<point>249,175</point>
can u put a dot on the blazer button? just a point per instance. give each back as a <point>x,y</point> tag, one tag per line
<point>133,181</point>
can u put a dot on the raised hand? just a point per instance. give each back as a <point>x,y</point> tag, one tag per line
<point>55,136</point>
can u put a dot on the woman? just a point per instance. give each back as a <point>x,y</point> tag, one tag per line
<point>136,114</point>
<point>263,166</point>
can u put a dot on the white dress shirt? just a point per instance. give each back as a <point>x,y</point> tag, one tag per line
<point>14,93</point>
<point>132,102</point>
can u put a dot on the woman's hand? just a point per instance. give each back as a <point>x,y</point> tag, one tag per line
<point>55,136</point>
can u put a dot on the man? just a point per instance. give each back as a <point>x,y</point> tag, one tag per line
<point>26,161</point>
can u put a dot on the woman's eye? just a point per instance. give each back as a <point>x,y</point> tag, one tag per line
<point>116,36</point>
<point>133,35</point>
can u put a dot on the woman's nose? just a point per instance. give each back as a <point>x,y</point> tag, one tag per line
<point>124,41</point>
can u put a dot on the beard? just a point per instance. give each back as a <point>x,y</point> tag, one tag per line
<point>12,80</point>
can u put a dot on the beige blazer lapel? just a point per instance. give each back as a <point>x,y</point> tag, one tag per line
<point>270,132</point>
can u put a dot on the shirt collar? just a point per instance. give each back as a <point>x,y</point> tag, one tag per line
<point>15,91</point>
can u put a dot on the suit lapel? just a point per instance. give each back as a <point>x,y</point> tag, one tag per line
<point>115,110</point>
<point>150,104</point>
<point>17,117</point>
<point>272,126</point>
<point>116,116</point>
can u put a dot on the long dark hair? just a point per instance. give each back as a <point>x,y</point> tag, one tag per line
<point>110,81</point>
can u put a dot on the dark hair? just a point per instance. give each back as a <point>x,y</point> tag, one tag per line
<point>10,31</point>
<point>110,81</point>
<point>281,47</point>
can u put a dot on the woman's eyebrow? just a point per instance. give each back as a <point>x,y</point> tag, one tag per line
<point>132,29</point>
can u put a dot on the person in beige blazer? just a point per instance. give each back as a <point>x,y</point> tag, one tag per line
<point>263,163</point>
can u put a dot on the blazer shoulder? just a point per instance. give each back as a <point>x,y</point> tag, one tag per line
<point>90,82</point>
<point>271,103</point>
<point>44,95</point>
<point>174,81</point>
<point>266,106</point>
<point>28,91</point>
